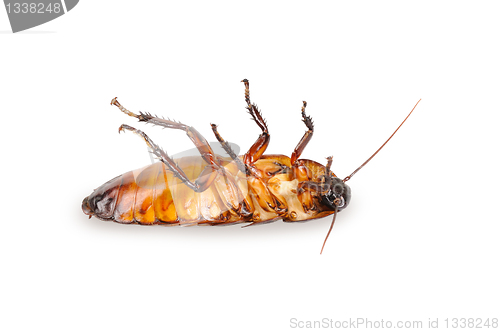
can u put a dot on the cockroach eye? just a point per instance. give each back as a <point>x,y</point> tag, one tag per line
<point>338,189</point>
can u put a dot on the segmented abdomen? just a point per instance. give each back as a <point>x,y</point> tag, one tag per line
<point>152,195</point>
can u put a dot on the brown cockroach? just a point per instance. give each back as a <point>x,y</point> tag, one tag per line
<point>214,190</point>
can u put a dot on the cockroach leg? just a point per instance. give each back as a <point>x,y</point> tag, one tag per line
<point>307,189</point>
<point>306,138</point>
<point>204,180</point>
<point>260,145</point>
<point>329,165</point>
<point>328,172</point>
<point>316,187</point>
<point>199,141</point>
<point>225,145</point>
<point>257,149</point>
<point>115,102</point>
<point>253,110</point>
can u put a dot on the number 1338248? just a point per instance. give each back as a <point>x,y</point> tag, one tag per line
<point>471,323</point>
<point>33,8</point>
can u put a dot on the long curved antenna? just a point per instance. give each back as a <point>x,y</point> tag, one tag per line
<point>331,226</point>
<point>347,178</point>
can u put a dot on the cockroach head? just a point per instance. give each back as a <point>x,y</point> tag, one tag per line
<point>336,197</point>
<point>338,194</point>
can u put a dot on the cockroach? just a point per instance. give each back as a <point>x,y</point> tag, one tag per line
<point>219,190</point>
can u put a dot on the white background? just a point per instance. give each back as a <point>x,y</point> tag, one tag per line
<point>419,240</point>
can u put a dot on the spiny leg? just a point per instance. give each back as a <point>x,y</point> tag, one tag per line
<point>204,180</point>
<point>208,175</point>
<point>329,165</point>
<point>306,138</point>
<point>253,154</point>
<point>225,145</point>
<point>252,108</point>
<point>260,145</point>
<point>199,141</point>
<point>328,172</point>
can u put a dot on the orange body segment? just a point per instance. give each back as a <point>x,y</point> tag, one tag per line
<point>163,202</point>
<point>124,210</point>
<point>153,195</point>
<point>143,207</point>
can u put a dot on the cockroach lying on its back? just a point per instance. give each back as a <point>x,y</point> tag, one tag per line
<point>214,190</point>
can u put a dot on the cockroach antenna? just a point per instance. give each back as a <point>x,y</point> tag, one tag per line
<point>347,178</point>
<point>357,169</point>
<point>331,226</point>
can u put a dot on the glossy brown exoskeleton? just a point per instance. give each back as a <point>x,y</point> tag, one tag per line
<point>214,190</point>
